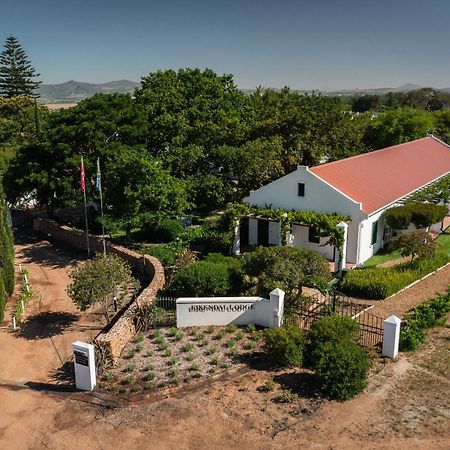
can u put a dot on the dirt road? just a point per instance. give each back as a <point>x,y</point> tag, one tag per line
<point>43,343</point>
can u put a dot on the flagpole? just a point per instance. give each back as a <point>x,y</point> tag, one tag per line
<point>99,185</point>
<point>83,187</point>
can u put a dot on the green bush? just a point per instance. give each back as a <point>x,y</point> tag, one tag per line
<point>166,230</point>
<point>377,283</point>
<point>285,345</point>
<point>342,368</point>
<point>214,240</point>
<point>333,329</point>
<point>163,253</point>
<point>426,214</point>
<point>420,214</point>
<point>426,315</point>
<point>204,278</point>
<point>398,217</point>
<point>2,297</point>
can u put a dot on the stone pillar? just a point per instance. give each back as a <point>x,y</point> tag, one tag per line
<point>341,258</point>
<point>84,362</point>
<point>277,306</point>
<point>391,336</point>
<point>236,249</point>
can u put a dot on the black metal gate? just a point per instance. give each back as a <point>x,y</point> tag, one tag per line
<point>333,302</point>
<point>161,312</point>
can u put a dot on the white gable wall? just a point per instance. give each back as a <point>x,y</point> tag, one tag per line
<point>319,197</point>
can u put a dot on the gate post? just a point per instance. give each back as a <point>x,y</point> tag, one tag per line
<point>84,362</point>
<point>391,336</point>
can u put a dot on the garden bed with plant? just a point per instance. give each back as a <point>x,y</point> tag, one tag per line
<point>167,357</point>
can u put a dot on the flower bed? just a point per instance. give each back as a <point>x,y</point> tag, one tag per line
<point>169,356</point>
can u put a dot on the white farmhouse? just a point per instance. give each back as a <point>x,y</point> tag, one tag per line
<point>361,187</point>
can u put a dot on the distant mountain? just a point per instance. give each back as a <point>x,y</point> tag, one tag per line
<point>349,92</point>
<point>75,91</point>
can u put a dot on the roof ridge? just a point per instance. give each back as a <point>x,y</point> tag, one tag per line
<point>378,150</point>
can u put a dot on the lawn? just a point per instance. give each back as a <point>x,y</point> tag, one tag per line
<point>383,255</point>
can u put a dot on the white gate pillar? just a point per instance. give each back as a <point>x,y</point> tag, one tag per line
<point>391,336</point>
<point>277,305</point>
<point>236,249</point>
<point>340,258</point>
<point>84,362</point>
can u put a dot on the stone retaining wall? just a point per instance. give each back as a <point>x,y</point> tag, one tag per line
<point>150,269</point>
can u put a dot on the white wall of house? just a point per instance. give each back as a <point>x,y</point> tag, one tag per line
<point>274,233</point>
<point>319,197</point>
<point>301,240</point>
<point>366,248</point>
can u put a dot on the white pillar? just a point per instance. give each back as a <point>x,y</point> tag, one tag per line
<point>84,362</point>
<point>341,258</point>
<point>277,306</point>
<point>391,336</point>
<point>236,249</point>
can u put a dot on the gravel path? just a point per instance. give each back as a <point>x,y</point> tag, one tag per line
<point>404,301</point>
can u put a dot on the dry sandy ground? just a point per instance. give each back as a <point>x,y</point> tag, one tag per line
<point>406,405</point>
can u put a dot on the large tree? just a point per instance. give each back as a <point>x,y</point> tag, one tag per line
<point>397,126</point>
<point>17,76</point>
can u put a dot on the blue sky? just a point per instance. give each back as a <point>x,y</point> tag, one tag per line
<point>321,44</point>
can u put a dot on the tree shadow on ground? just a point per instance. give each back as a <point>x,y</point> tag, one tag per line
<point>47,324</point>
<point>304,384</point>
<point>37,250</point>
<point>64,375</point>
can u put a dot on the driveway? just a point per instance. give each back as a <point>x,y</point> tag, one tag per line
<point>36,352</point>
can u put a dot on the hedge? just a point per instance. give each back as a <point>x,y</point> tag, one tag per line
<point>425,315</point>
<point>205,279</point>
<point>373,283</point>
<point>166,230</point>
<point>420,214</point>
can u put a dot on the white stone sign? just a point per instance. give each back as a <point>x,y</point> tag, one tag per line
<point>84,362</point>
<point>198,311</point>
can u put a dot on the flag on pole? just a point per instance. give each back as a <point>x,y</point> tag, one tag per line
<point>98,178</point>
<point>83,177</point>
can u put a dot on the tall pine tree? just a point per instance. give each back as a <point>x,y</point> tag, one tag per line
<point>17,76</point>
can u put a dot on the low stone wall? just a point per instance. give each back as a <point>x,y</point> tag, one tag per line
<point>150,269</point>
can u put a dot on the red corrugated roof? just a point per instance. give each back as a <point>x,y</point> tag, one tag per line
<point>381,177</point>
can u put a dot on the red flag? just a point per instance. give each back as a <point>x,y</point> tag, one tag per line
<point>83,176</point>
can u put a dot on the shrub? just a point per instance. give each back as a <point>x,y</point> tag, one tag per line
<point>373,283</point>
<point>231,328</point>
<point>426,214</point>
<point>287,268</point>
<point>398,217</point>
<point>187,347</point>
<point>204,278</point>
<point>342,368</point>
<point>333,329</point>
<point>2,297</point>
<point>414,243</point>
<point>285,345</point>
<point>165,254</point>
<point>166,230</point>
<point>425,315</point>
<point>420,214</point>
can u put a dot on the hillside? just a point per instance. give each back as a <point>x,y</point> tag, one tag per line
<point>75,91</point>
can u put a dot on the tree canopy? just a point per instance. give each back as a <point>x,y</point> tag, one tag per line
<point>17,75</point>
